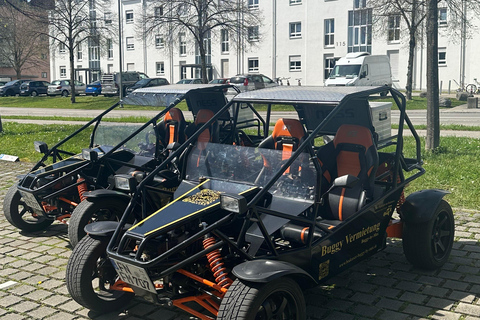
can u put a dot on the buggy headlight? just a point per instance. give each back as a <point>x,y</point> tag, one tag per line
<point>125,182</point>
<point>89,154</point>
<point>233,203</point>
<point>40,146</point>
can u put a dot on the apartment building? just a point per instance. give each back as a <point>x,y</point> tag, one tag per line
<point>298,39</point>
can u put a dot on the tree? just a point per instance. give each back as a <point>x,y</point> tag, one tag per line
<point>433,116</point>
<point>200,19</point>
<point>70,24</point>
<point>21,45</point>
<point>413,13</point>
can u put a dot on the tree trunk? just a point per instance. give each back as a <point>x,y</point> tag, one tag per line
<point>433,116</point>
<point>411,52</point>
<point>72,74</point>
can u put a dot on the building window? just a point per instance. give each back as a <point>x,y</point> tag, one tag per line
<point>253,4</point>
<point>129,16</point>
<point>107,18</point>
<point>252,64</point>
<point>62,47</point>
<point>329,64</point>
<point>130,66</point>
<point>329,32</point>
<point>442,56</point>
<point>359,4</point>
<point>295,2</point>
<point>159,43</point>
<point>295,63</point>
<point>158,12</point>
<point>224,41</point>
<point>63,72</point>
<point>442,17</point>
<point>130,43</point>
<point>394,28</point>
<point>44,74</point>
<point>360,30</point>
<point>183,44</point>
<point>109,49</point>
<point>253,33</point>
<point>79,52</point>
<point>295,29</point>
<point>160,67</point>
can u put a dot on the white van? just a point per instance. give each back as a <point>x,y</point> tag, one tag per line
<point>361,69</point>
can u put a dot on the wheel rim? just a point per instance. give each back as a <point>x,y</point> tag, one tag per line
<point>441,235</point>
<point>103,277</point>
<point>278,305</point>
<point>34,93</point>
<point>64,93</point>
<point>27,214</point>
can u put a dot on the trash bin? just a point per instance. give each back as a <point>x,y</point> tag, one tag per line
<point>472,102</point>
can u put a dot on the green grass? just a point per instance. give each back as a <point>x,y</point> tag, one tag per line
<point>84,119</point>
<point>451,167</point>
<point>416,103</point>
<point>454,127</point>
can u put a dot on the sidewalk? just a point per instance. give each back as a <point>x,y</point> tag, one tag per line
<point>385,287</point>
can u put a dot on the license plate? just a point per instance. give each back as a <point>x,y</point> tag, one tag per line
<point>31,201</point>
<point>133,275</point>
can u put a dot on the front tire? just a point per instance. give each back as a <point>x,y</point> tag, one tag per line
<point>428,245</point>
<point>90,274</point>
<point>102,209</point>
<point>20,215</point>
<point>279,299</point>
<point>64,93</point>
<point>34,93</point>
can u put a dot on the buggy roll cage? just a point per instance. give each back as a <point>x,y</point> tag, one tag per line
<point>163,96</point>
<point>341,97</point>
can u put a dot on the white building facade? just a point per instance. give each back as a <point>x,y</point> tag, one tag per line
<point>298,39</point>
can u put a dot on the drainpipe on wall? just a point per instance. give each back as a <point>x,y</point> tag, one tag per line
<point>274,37</point>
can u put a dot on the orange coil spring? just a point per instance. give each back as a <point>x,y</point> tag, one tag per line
<point>216,264</point>
<point>82,188</point>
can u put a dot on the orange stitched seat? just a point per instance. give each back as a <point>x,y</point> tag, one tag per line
<point>355,154</point>
<point>172,128</point>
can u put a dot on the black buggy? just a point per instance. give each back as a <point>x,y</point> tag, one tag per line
<point>254,222</point>
<point>56,187</point>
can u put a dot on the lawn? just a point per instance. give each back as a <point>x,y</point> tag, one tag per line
<point>451,167</point>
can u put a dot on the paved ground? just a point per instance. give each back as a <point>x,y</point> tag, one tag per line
<point>32,271</point>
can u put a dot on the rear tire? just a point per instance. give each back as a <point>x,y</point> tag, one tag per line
<point>89,263</point>
<point>20,215</point>
<point>279,299</point>
<point>34,93</point>
<point>64,93</point>
<point>102,209</point>
<point>428,245</point>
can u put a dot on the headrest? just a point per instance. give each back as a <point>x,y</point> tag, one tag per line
<point>203,116</point>
<point>288,128</point>
<point>353,134</point>
<point>174,114</point>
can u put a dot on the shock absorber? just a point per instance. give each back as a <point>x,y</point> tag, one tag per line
<point>82,188</point>
<point>215,260</point>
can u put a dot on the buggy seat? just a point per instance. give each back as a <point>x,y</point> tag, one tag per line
<point>355,154</point>
<point>172,128</point>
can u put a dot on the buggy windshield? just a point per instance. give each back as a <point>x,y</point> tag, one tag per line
<point>254,166</point>
<point>110,134</point>
<point>345,71</point>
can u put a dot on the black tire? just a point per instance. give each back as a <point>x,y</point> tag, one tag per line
<point>20,215</point>
<point>34,93</point>
<point>102,209</point>
<point>64,93</point>
<point>88,264</point>
<point>428,245</point>
<point>279,299</point>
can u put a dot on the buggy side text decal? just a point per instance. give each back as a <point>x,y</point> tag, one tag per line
<point>364,235</point>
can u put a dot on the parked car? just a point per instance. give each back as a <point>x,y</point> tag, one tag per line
<point>34,88</point>
<point>148,82</point>
<point>249,82</point>
<point>111,82</point>
<point>11,88</point>
<point>2,83</point>
<point>190,81</point>
<point>94,88</point>
<point>220,81</point>
<point>255,223</point>
<point>63,88</point>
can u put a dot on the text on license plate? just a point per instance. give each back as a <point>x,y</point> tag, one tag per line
<point>133,275</point>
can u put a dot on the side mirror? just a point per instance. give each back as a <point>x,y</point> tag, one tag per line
<point>346,181</point>
<point>40,146</point>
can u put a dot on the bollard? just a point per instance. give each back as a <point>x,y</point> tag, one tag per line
<point>472,102</point>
